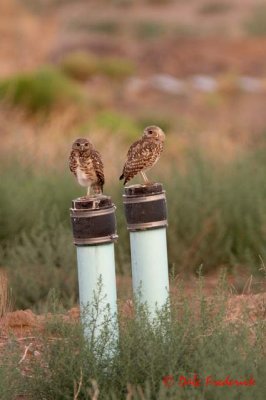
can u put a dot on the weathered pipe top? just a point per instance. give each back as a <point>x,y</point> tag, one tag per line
<point>93,220</point>
<point>145,207</point>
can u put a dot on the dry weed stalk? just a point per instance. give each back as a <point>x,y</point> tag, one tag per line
<point>94,393</point>
<point>130,392</point>
<point>27,348</point>
<point>77,388</point>
<point>5,304</point>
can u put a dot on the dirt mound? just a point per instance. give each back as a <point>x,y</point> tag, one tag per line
<point>254,305</point>
<point>22,323</point>
<point>20,318</point>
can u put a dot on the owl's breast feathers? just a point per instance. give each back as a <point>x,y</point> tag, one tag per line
<point>89,164</point>
<point>142,155</point>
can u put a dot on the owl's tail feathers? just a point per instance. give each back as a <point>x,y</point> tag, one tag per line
<point>123,177</point>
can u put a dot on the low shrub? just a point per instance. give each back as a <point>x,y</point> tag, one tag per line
<point>40,91</point>
<point>107,26</point>
<point>149,29</point>
<point>82,66</point>
<point>152,357</point>
<point>79,65</point>
<point>215,7</point>
<point>184,30</point>
<point>256,24</point>
<point>117,124</point>
<point>116,68</point>
<point>217,217</point>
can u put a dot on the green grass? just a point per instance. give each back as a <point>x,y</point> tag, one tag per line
<point>256,24</point>
<point>40,90</point>
<point>191,338</point>
<point>217,217</point>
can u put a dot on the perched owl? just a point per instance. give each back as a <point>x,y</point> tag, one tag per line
<point>86,164</point>
<point>143,154</point>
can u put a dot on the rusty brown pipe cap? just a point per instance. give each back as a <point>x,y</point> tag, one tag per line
<point>93,220</point>
<point>145,207</point>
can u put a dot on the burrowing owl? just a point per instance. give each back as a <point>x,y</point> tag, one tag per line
<point>143,154</point>
<point>86,164</point>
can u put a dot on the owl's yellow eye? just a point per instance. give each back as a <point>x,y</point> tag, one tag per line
<point>86,144</point>
<point>78,144</point>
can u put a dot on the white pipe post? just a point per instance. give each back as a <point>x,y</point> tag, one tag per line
<point>94,232</point>
<point>150,267</point>
<point>146,214</point>
<point>97,284</point>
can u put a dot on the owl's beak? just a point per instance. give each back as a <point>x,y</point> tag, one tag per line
<point>82,147</point>
<point>161,135</point>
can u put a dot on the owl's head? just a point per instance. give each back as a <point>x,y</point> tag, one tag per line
<point>82,145</point>
<point>154,132</point>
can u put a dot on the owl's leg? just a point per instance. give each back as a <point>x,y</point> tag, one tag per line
<point>144,176</point>
<point>97,189</point>
<point>88,190</point>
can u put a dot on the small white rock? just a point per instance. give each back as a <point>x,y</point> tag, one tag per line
<point>250,84</point>
<point>135,84</point>
<point>204,83</point>
<point>167,83</point>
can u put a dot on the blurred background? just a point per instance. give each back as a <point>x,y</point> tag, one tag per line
<point>105,69</point>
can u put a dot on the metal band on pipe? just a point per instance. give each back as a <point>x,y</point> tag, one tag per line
<point>93,220</point>
<point>93,213</point>
<point>104,239</point>
<point>147,225</point>
<point>137,199</point>
<point>145,207</point>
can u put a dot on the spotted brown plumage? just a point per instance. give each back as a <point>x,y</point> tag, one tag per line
<point>143,154</point>
<point>86,164</point>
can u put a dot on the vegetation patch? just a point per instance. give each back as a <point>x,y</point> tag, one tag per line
<point>40,91</point>
<point>215,7</point>
<point>82,66</point>
<point>216,218</point>
<point>149,29</point>
<point>186,30</point>
<point>117,124</point>
<point>163,122</point>
<point>152,359</point>
<point>109,27</point>
<point>256,24</point>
